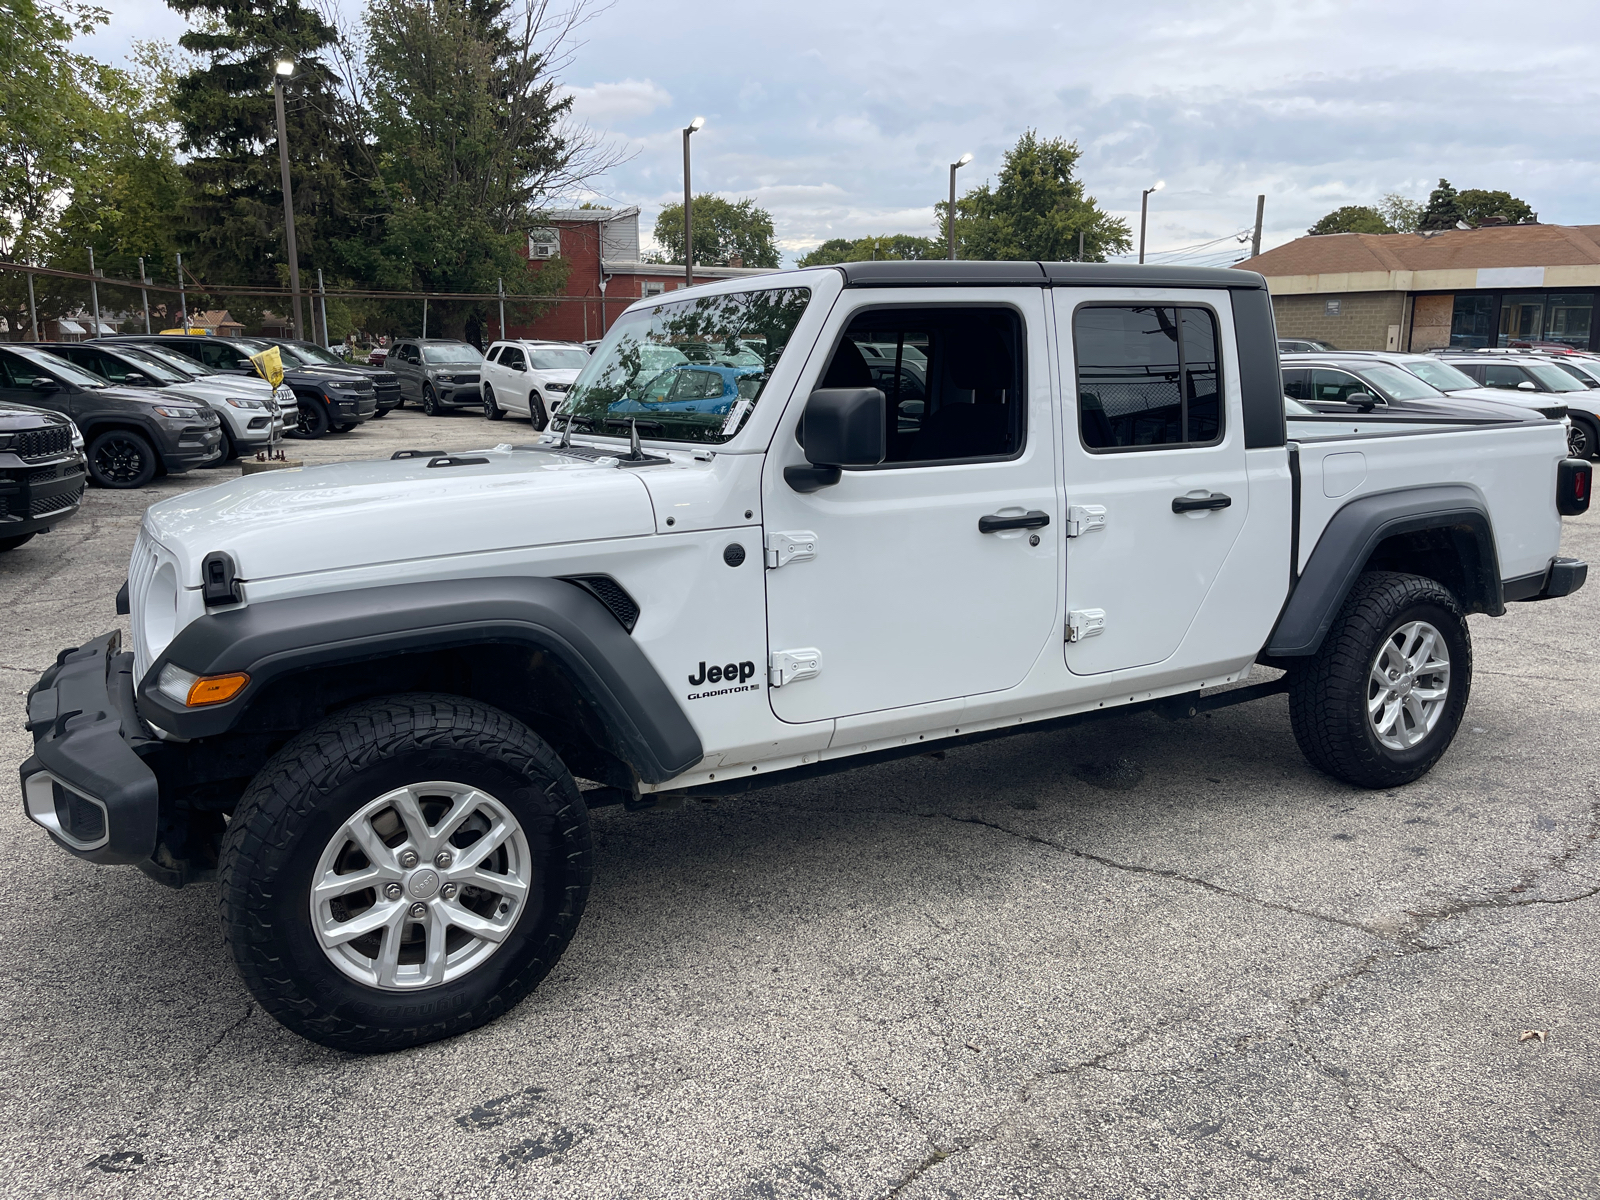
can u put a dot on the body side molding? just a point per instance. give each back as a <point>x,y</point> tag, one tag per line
<point>274,638</point>
<point>1357,529</point>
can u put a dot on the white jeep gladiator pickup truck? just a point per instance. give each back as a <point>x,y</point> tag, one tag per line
<point>909,505</point>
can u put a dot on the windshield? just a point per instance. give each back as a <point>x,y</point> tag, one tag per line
<point>1293,408</point>
<point>153,366</point>
<point>1584,373</point>
<point>451,353</point>
<point>1442,375</point>
<point>1398,384</point>
<point>559,360</point>
<point>172,358</point>
<point>678,368</point>
<point>1553,377</point>
<point>63,370</point>
<point>316,354</point>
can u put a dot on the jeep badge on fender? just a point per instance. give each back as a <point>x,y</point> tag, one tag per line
<point>732,673</point>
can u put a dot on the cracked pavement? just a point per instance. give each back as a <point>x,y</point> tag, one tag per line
<point>1128,959</point>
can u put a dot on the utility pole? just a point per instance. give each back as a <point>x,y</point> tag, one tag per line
<point>94,295</point>
<point>688,204</point>
<point>284,69</point>
<point>183,301</point>
<point>1144,211</point>
<point>500,286</point>
<point>1255,242</point>
<point>322,299</point>
<point>144,294</point>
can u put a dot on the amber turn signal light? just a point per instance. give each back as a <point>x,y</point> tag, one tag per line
<point>214,689</point>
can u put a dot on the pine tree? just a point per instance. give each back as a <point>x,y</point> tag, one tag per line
<point>1444,208</point>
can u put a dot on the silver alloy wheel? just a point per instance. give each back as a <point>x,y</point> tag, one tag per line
<point>468,871</point>
<point>1408,685</point>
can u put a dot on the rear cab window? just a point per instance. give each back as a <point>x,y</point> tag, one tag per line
<point>1148,376</point>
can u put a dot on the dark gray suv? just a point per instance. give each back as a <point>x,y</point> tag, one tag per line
<point>132,435</point>
<point>440,373</point>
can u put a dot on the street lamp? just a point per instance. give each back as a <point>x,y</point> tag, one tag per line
<point>284,69</point>
<point>1144,211</point>
<point>950,214</point>
<point>688,218</point>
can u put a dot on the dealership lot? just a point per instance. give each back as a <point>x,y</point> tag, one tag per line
<point>1132,958</point>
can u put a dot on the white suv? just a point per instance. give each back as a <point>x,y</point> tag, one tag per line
<point>529,379</point>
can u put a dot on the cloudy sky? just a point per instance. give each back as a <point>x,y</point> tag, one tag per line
<point>842,118</point>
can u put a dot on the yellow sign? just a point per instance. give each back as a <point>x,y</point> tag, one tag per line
<point>191,332</point>
<point>270,363</point>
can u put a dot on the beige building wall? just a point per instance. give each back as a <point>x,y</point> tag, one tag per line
<point>1430,324</point>
<point>1366,320</point>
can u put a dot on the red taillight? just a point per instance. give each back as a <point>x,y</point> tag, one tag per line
<point>1579,486</point>
<point>1573,480</point>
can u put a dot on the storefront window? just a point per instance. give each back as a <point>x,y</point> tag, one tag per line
<point>1548,318</point>
<point>1567,318</point>
<point>1470,325</point>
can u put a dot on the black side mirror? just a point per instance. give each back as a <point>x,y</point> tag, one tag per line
<point>43,383</point>
<point>1365,401</point>
<point>844,427</point>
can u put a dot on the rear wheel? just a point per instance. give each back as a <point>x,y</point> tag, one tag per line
<point>490,409</point>
<point>404,871</point>
<point>1380,702</point>
<point>311,420</point>
<point>120,458</point>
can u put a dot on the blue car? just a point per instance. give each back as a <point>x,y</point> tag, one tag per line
<point>695,388</point>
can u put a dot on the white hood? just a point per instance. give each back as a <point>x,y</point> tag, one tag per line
<point>367,513</point>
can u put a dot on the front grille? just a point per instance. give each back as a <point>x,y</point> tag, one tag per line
<point>385,379</point>
<point>40,505</point>
<point>1555,412</point>
<point>141,569</point>
<point>43,443</point>
<point>44,475</point>
<point>613,595</point>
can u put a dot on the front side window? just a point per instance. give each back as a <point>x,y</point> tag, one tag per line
<point>621,383</point>
<point>25,364</point>
<point>1148,376</point>
<point>512,358</point>
<point>1503,375</point>
<point>1335,387</point>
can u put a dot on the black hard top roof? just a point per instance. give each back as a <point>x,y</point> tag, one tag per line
<point>939,272</point>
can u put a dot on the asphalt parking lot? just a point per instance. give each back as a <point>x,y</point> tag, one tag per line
<point>1131,959</point>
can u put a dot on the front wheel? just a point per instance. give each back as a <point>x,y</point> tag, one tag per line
<point>121,459</point>
<point>490,409</point>
<point>430,402</point>
<point>538,416</point>
<point>1380,702</point>
<point>404,871</point>
<point>311,420</point>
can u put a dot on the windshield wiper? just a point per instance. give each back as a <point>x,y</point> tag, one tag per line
<point>628,422</point>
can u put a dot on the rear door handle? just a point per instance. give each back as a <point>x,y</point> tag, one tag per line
<point>1032,520</point>
<point>1183,504</point>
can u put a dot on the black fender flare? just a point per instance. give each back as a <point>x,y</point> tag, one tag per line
<point>273,638</point>
<point>1355,532</point>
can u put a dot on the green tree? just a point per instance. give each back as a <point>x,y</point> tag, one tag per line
<point>1352,218</point>
<point>1036,210</point>
<point>233,220</point>
<point>1443,210</point>
<point>724,230</point>
<point>1402,215</point>
<point>1476,205</point>
<point>889,246</point>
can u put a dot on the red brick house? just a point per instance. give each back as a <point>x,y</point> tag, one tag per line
<point>602,246</point>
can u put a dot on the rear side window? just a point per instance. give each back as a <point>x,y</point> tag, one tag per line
<point>952,378</point>
<point>1148,376</point>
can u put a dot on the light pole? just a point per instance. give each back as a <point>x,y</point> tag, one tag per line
<point>282,71</point>
<point>144,294</point>
<point>950,213</point>
<point>94,294</point>
<point>1144,211</point>
<point>688,217</point>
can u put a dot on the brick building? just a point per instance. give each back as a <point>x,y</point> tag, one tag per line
<point>606,274</point>
<point>1499,285</point>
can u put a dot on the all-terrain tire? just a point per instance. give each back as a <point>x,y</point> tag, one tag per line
<point>1329,694</point>
<point>300,800</point>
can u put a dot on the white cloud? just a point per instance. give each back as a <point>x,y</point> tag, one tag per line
<point>602,103</point>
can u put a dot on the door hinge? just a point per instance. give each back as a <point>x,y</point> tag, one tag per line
<point>787,666</point>
<point>1082,518</point>
<point>795,546</point>
<point>1085,623</point>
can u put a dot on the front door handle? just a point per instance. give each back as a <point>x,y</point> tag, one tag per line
<point>1183,504</point>
<point>1032,520</point>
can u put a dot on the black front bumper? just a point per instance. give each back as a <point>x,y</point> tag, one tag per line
<point>86,784</point>
<point>37,496</point>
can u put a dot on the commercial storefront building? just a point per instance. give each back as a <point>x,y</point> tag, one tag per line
<point>1505,285</point>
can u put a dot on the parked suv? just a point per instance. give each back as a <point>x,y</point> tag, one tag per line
<point>1354,381</point>
<point>326,397</point>
<point>251,420</point>
<point>529,379</point>
<point>41,472</point>
<point>441,373</point>
<point>132,435</point>
<point>1537,376</point>
<point>311,355</point>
